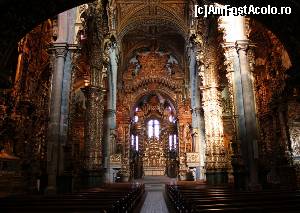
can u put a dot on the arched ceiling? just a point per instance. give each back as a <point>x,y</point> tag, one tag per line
<point>139,13</point>
<point>152,25</point>
<point>20,16</point>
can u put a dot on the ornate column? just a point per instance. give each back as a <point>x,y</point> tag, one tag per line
<point>247,120</point>
<point>93,127</point>
<point>216,155</point>
<point>112,75</point>
<point>111,54</point>
<point>60,51</point>
<point>197,117</point>
<point>94,94</point>
<point>59,107</point>
<point>65,163</point>
<point>240,64</point>
<point>232,63</point>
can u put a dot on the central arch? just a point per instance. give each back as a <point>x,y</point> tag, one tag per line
<point>154,144</point>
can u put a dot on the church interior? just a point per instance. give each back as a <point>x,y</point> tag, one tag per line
<point>108,104</point>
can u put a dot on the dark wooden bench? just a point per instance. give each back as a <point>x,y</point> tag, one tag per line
<point>111,198</point>
<point>191,198</point>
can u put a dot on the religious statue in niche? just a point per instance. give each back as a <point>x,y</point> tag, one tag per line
<point>167,113</point>
<point>119,148</point>
<point>194,136</point>
<point>169,65</point>
<point>187,136</point>
<point>137,65</point>
<point>79,103</point>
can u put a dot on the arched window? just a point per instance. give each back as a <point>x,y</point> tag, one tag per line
<point>153,128</point>
<point>135,142</point>
<point>172,142</point>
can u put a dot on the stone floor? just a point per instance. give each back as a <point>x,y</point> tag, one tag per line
<point>155,200</point>
<point>154,203</point>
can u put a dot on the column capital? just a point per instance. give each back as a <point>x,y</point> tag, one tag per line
<point>229,45</point>
<point>59,49</point>
<point>242,45</point>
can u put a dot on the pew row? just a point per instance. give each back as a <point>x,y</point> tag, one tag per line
<point>113,198</point>
<point>194,198</point>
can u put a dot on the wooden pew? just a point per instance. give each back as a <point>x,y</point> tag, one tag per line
<point>111,198</point>
<point>190,198</point>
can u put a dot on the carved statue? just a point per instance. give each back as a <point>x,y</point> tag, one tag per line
<point>187,133</point>
<point>169,65</point>
<point>137,64</point>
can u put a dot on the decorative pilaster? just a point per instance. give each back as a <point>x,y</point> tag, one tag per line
<point>215,150</point>
<point>230,53</point>
<point>216,155</point>
<point>60,52</point>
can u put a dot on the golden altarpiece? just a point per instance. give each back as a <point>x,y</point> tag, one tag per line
<point>153,91</point>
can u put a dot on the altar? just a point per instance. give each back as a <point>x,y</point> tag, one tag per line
<point>154,171</point>
<point>154,160</point>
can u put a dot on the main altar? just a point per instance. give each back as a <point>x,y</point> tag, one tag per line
<point>154,160</point>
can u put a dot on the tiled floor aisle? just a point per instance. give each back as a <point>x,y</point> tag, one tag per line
<point>154,203</point>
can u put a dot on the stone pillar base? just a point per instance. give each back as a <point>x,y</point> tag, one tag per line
<point>93,178</point>
<point>240,179</point>
<point>65,183</point>
<point>254,187</point>
<point>50,190</point>
<point>214,177</point>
